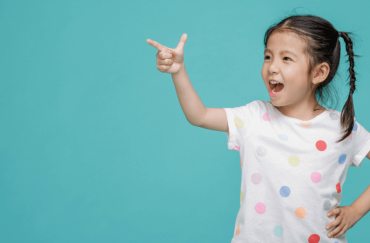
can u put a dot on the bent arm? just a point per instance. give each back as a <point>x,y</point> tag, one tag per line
<point>362,204</point>
<point>215,119</point>
<point>192,106</point>
<point>190,102</point>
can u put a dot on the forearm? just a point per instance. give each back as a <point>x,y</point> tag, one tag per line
<point>362,204</point>
<point>190,102</point>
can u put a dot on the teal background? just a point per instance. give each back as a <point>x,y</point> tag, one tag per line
<point>94,144</point>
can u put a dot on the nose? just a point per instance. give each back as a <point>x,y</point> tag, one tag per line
<point>273,67</point>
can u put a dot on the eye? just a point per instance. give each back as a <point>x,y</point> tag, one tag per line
<point>288,58</point>
<point>266,57</point>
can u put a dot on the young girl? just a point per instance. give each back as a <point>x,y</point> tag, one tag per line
<point>294,153</point>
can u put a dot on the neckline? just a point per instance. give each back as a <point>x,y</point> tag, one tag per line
<point>295,119</point>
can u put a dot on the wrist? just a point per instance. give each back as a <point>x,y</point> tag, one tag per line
<point>180,70</point>
<point>356,213</point>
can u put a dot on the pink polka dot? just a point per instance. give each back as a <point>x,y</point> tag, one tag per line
<point>321,145</point>
<point>316,177</point>
<point>260,208</point>
<point>256,178</point>
<point>265,117</point>
<point>236,148</point>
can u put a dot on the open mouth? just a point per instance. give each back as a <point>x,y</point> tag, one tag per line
<point>276,88</point>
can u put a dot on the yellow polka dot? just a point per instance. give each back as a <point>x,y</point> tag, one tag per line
<point>300,212</point>
<point>305,124</point>
<point>294,160</point>
<point>238,122</point>
<point>241,196</point>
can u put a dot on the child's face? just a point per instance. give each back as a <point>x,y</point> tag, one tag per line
<point>291,69</point>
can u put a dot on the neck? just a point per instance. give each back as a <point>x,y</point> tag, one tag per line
<point>303,111</point>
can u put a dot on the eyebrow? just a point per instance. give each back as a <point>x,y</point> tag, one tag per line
<point>283,51</point>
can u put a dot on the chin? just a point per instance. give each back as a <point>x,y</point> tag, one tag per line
<point>275,102</point>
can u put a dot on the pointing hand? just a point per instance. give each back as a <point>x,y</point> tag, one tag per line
<point>169,60</point>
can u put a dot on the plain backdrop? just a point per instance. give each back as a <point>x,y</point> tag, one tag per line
<point>94,146</point>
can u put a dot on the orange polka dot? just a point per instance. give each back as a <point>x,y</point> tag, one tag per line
<point>305,124</point>
<point>300,212</point>
<point>237,230</point>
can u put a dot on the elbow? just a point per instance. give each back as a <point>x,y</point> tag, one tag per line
<point>194,122</point>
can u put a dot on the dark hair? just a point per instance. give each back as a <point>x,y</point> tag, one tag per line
<point>323,45</point>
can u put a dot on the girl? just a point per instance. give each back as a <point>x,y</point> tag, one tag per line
<point>294,153</point>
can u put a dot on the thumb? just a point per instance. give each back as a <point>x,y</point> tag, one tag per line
<point>182,42</point>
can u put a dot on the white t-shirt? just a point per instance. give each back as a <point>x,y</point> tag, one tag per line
<point>292,172</point>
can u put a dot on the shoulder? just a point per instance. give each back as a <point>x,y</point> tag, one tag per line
<point>259,106</point>
<point>258,103</point>
<point>255,106</point>
<point>256,109</point>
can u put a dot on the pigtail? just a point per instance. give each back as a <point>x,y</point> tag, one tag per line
<point>348,111</point>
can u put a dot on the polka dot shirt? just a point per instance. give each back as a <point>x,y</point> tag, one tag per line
<point>292,172</point>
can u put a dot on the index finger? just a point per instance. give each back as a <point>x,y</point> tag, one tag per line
<point>155,44</point>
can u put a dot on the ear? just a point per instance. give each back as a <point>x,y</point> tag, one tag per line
<point>321,72</point>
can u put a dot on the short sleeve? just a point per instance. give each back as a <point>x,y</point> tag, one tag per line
<point>361,144</point>
<point>239,122</point>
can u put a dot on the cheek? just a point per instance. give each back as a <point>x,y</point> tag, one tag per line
<point>295,76</point>
<point>297,70</point>
<point>264,71</point>
<point>291,71</point>
<point>297,86</point>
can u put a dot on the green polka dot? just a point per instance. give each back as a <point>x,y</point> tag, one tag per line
<point>241,196</point>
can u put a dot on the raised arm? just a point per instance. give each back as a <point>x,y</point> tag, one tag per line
<point>215,119</point>
<point>172,61</point>
<point>193,108</point>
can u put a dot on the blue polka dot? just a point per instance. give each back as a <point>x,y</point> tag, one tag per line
<point>284,191</point>
<point>283,137</point>
<point>355,127</point>
<point>342,158</point>
<point>278,231</point>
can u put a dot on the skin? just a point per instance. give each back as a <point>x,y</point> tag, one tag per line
<point>297,99</point>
